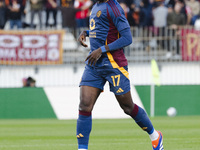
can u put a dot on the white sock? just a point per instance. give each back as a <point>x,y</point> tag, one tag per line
<point>154,136</point>
<point>82,149</point>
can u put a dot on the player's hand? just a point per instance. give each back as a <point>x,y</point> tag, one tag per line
<point>94,56</point>
<point>82,38</point>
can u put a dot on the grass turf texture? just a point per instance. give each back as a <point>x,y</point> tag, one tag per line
<point>180,133</point>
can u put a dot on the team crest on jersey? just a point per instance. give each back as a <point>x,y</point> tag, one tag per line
<point>92,24</point>
<point>99,13</point>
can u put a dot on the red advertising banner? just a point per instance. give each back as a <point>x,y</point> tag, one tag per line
<point>190,44</point>
<point>31,47</point>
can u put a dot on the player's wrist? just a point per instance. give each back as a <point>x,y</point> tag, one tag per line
<point>103,49</point>
<point>87,32</point>
<point>84,33</point>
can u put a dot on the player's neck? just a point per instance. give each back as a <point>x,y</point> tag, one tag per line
<point>101,1</point>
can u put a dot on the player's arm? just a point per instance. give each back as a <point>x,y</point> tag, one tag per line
<point>124,40</point>
<point>82,38</point>
<point>116,13</point>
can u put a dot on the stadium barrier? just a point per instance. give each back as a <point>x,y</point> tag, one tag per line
<point>60,46</point>
<point>59,62</point>
<point>163,44</point>
<point>62,102</point>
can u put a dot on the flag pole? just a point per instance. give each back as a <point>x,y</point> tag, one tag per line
<point>155,81</point>
<point>152,104</point>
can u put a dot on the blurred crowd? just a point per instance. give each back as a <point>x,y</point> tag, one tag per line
<point>161,13</point>
<point>75,13</point>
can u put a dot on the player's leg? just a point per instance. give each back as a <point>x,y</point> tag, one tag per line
<point>88,97</point>
<point>136,112</point>
<point>120,86</point>
<point>141,118</point>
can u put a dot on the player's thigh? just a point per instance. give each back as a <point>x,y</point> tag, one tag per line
<point>125,101</point>
<point>88,97</point>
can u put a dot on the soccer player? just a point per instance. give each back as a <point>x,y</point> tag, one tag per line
<point>109,32</point>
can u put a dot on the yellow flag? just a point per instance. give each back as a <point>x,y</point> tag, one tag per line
<point>155,72</point>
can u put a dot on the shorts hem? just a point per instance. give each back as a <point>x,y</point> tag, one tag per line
<point>86,84</point>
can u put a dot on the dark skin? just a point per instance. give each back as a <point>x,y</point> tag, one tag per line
<point>88,94</point>
<point>95,55</point>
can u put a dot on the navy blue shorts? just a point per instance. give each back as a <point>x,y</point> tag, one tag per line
<point>118,78</point>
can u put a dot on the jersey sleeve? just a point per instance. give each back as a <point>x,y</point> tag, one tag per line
<point>117,15</point>
<point>124,40</point>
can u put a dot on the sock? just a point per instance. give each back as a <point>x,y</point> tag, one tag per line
<point>84,126</point>
<point>154,136</point>
<point>142,119</point>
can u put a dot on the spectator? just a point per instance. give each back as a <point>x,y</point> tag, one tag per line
<point>146,11</point>
<point>130,3</point>
<point>160,15</point>
<point>82,15</point>
<point>36,7</point>
<point>170,8</point>
<point>193,8</point>
<point>24,82</point>
<point>128,7</point>
<point>3,14</point>
<point>183,8</point>
<point>124,7</point>
<point>51,7</point>
<point>134,16</point>
<point>28,82</point>
<point>171,4</point>
<point>15,8</point>
<point>160,21</point>
<point>68,13</point>
<point>136,3</point>
<point>174,20</point>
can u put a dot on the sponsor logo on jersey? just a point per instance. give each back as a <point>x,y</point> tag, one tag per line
<point>99,13</point>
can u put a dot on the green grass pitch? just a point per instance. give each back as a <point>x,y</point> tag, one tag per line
<point>180,133</point>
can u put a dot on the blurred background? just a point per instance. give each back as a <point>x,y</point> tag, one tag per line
<point>41,62</point>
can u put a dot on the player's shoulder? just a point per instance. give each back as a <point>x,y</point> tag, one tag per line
<point>114,6</point>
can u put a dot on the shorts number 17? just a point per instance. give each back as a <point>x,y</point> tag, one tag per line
<point>116,78</point>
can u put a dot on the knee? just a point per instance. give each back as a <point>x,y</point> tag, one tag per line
<point>127,111</point>
<point>85,105</point>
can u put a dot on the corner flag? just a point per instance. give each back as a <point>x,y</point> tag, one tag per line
<point>155,72</point>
